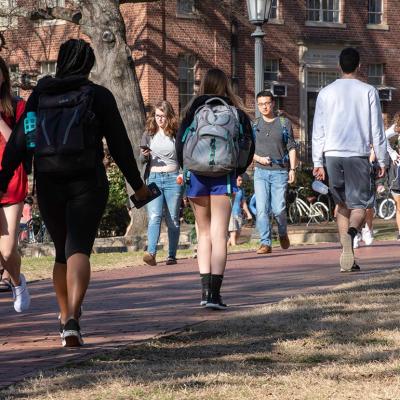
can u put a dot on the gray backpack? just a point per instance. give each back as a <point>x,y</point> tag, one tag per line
<point>212,143</point>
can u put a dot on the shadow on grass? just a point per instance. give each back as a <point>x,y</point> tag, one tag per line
<point>339,327</point>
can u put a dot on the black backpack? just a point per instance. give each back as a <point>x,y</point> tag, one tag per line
<point>66,132</point>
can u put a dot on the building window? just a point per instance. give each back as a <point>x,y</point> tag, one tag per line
<point>323,10</point>
<point>271,70</point>
<point>14,78</point>
<point>186,7</point>
<point>375,74</point>
<point>48,68</point>
<point>375,12</point>
<point>52,3</point>
<point>187,71</point>
<point>273,14</point>
<point>316,80</point>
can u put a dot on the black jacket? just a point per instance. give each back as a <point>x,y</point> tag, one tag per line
<point>188,118</point>
<point>110,122</point>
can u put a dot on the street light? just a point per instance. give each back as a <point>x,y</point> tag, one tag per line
<point>258,14</point>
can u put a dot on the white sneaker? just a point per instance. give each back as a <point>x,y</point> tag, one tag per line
<point>356,241</point>
<point>21,297</point>
<point>367,236</point>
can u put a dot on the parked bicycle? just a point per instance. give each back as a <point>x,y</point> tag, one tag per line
<point>307,208</point>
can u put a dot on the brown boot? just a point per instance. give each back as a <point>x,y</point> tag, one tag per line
<point>264,249</point>
<point>149,259</point>
<point>284,241</point>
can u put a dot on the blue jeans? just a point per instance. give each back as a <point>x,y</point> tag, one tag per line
<point>270,189</point>
<point>168,204</point>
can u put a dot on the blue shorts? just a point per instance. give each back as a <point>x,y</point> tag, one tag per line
<point>198,186</point>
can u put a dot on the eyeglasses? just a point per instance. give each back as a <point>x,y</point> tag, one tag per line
<point>268,103</point>
<point>160,116</point>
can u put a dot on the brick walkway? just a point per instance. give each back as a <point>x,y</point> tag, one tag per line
<point>133,304</point>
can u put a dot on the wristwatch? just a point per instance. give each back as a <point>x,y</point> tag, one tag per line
<point>293,169</point>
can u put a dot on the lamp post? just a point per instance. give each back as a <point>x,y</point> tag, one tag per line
<point>258,14</point>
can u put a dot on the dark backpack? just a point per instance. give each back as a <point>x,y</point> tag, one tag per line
<point>66,132</point>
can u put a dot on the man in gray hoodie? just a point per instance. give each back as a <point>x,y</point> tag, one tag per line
<point>347,122</point>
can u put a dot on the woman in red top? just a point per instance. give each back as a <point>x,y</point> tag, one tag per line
<point>12,202</point>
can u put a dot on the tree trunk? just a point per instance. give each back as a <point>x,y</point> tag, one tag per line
<point>102,22</point>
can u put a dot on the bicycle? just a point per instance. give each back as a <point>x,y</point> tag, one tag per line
<point>315,211</point>
<point>26,232</point>
<point>385,205</point>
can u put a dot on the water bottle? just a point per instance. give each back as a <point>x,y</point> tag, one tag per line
<point>30,129</point>
<point>320,187</point>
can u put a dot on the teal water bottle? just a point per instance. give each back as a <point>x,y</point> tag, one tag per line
<point>30,129</point>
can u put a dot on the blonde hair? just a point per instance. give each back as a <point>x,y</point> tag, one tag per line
<point>216,83</point>
<point>171,125</point>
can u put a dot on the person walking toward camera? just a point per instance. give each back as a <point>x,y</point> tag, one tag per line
<point>162,168</point>
<point>214,144</point>
<point>64,124</point>
<point>11,203</point>
<point>275,166</point>
<point>348,120</point>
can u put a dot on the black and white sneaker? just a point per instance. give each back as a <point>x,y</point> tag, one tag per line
<point>61,325</point>
<point>215,302</point>
<point>71,335</point>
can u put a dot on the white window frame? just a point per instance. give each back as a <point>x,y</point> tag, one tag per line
<point>380,13</point>
<point>321,11</point>
<point>275,8</point>
<point>48,68</point>
<point>271,66</point>
<point>376,74</point>
<point>51,3</point>
<point>187,77</point>
<point>323,77</point>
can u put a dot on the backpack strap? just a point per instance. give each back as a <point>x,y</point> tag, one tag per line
<point>285,130</point>
<point>15,100</point>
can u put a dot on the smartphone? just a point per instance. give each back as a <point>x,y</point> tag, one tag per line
<point>155,192</point>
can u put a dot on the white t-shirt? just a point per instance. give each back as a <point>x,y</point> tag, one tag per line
<point>348,119</point>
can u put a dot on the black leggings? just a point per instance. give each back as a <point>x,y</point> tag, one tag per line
<point>71,208</point>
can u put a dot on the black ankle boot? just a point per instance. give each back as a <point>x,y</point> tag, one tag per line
<point>205,288</point>
<point>214,299</point>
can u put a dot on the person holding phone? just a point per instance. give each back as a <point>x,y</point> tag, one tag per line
<point>161,168</point>
<point>73,193</point>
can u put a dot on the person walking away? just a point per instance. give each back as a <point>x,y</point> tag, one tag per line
<point>275,166</point>
<point>11,110</point>
<point>73,115</point>
<point>347,121</point>
<point>213,122</point>
<point>236,220</point>
<point>161,167</point>
<point>392,135</point>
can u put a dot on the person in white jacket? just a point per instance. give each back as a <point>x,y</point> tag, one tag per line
<point>394,169</point>
<point>347,121</point>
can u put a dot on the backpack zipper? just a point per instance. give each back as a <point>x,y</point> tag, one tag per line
<point>46,136</point>
<point>69,127</point>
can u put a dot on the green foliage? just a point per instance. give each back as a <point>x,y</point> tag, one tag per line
<point>116,217</point>
<point>188,215</point>
<point>304,177</point>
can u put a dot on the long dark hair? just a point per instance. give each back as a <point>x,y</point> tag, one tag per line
<point>5,91</point>
<point>216,83</point>
<point>75,57</point>
<point>171,121</point>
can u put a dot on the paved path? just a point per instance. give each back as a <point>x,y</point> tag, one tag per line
<point>139,303</point>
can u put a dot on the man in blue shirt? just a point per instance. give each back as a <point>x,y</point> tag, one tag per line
<point>235,223</point>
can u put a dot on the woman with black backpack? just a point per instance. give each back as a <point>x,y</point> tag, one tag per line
<point>73,115</point>
<point>11,203</point>
<point>215,115</point>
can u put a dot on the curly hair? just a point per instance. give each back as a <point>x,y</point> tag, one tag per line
<point>171,125</point>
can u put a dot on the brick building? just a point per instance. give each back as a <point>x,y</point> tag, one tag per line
<point>175,41</point>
